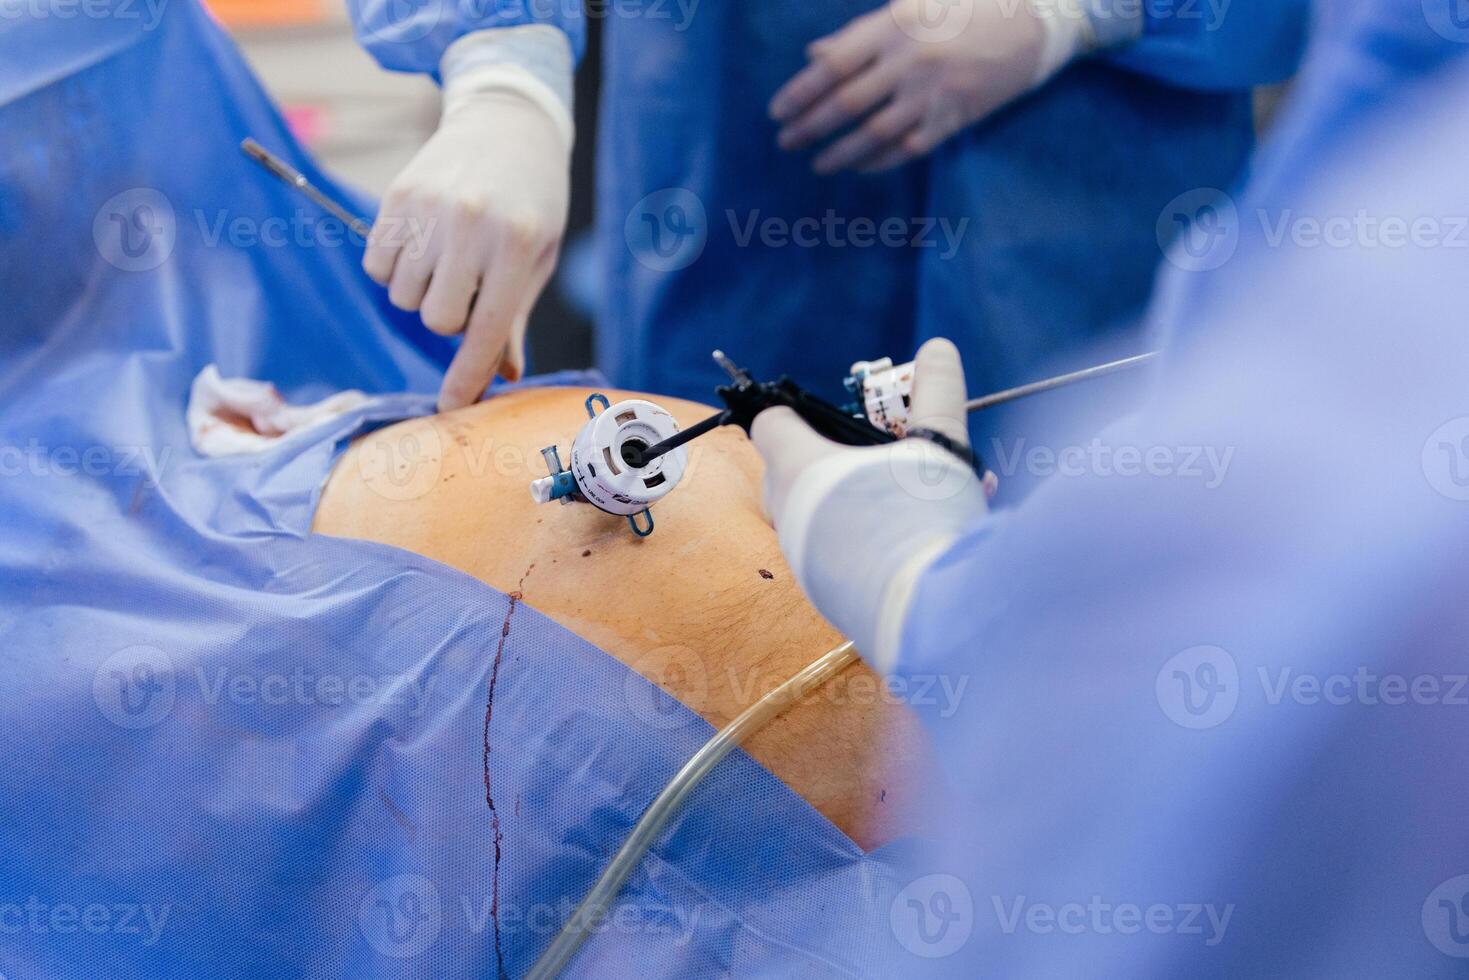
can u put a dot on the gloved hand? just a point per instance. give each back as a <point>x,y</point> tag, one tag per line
<point>920,71</point>
<point>859,525</point>
<point>470,231</point>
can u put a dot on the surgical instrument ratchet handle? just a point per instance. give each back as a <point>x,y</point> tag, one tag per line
<point>290,175</point>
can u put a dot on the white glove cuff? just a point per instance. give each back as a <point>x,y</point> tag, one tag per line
<point>534,61</point>
<point>860,528</point>
<point>1068,33</point>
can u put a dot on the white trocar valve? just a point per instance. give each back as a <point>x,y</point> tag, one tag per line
<point>601,472</point>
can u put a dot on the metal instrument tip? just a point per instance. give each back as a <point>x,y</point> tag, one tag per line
<point>730,368</point>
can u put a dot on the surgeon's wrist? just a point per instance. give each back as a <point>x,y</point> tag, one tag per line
<point>533,62</point>
<point>1075,28</point>
<point>860,528</point>
<point>1113,23</point>
<point>1065,32</point>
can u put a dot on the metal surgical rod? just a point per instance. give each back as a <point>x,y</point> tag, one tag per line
<point>678,439</point>
<point>1060,381</point>
<point>296,179</point>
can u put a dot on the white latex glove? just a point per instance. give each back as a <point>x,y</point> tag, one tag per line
<point>470,231</point>
<point>920,71</point>
<point>860,525</point>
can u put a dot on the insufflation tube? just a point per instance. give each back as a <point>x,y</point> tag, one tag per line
<point>576,929</point>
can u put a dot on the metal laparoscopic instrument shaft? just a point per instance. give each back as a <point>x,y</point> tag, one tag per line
<point>1060,381</point>
<point>296,179</point>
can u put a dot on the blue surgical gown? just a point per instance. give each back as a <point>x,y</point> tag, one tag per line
<point>1021,238</point>
<point>1224,684</point>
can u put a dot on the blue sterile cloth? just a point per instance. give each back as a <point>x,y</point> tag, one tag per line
<point>233,748</point>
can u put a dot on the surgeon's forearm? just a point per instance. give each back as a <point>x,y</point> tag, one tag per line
<point>418,39</point>
<point>535,61</point>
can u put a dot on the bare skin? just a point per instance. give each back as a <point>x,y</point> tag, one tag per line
<point>706,607</point>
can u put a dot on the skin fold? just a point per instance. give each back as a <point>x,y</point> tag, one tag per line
<point>706,607</point>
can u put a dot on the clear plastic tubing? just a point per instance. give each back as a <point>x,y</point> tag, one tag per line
<point>576,929</point>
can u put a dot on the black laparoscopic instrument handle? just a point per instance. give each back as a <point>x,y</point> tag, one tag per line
<point>747,398</point>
